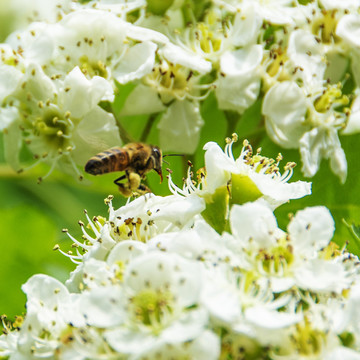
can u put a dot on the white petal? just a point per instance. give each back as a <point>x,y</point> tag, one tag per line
<point>241,62</point>
<point>338,164</point>
<point>40,10</point>
<point>306,53</point>
<point>342,353</point>
<point>311,229</point>
<point>143,34</point>
<point>206,346</point>
<point>45,289</point>
<point>125,341</point>
<point>165,271</point>
<point>10,79</point>
<point>311,148</point>
<point>180,127</point>
<point>138,61</point>
<point>322,142</point>
<point>246,27</point>
<point>188,327</point>
<point>142,100</point>
<point>322,276</point>
<point>348,28</point>
<point>340,4</point>
<point>271,319</point>
<point>37,49</point>
<point>353,124</point>
<point>254,222</point>
<point>284,107</point>
<point>240,86</point>
<point>7,116</point>
<point>13,137</point>
<point>277,192</point>
<point>177,55</point>
<point>125,251</point>
<point>279,285</point>
<point>103,306</point>
<point>81,95</point>
<point>178,210</point>
<point>220,298</point>
<point>218,166</point>
<point>38,83</point>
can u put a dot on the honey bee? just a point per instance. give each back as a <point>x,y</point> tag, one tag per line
<point>136,159</point>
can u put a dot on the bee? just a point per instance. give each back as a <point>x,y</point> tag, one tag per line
<point>136,159</point>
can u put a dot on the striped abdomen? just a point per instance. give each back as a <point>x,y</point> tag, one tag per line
<point>114,159</point>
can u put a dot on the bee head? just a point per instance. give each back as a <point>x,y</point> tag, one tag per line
<point>156,155</point>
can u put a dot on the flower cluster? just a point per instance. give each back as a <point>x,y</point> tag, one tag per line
<point>61,72</point>
<point>164,278</point>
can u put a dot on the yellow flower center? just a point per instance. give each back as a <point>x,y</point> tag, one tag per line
<point>150,307</point>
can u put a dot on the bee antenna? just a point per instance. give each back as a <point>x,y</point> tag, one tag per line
<point>173,155</point>
<point>166,162</point>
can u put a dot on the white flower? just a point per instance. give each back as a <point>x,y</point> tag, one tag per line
<point>323,142</point>
<point>139,221</point>
<point>260,174</point>
<point>153,308</point>
<point>61,121</point>
<point>309,123</point>
<point>291,259</point>
<point>49,311</point>
<point>173,88</point>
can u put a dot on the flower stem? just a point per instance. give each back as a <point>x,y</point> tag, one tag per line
<point>232,119</point>
<point>124,135</point>
<point>148,126</point>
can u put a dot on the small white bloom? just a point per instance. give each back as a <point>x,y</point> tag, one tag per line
<point>263,173</point>
<point>323,142</point>
<point>61,121</point>
<point>154,307</point>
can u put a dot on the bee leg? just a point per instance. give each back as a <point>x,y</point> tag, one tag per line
<point>144,189</point>
<point>116,181</point>
<point>124,188</point>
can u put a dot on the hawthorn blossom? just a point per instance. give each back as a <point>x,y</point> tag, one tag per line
<point>260,175</point>
<point>55,120</point>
